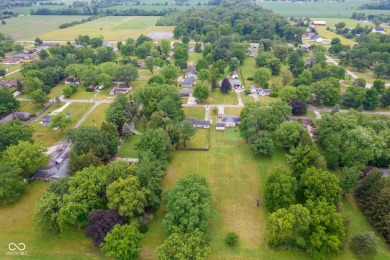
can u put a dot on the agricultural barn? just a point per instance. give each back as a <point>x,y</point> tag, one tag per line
<point>318,23</point>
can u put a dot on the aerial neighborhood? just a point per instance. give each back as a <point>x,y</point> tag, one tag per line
<point>216,129</point>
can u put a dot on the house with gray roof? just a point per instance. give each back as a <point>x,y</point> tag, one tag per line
<point>198,123</point>
<point>220,125</point>
<point>185,92</point>
<point>231,121</point>
<point>45,121</point>
<point>253,89</point>
<point>22,56</point>
<point>187,83</point>
<point>264,92</point>
<point>191,73</point>
<point>24,116</point>
<point>379,29</point>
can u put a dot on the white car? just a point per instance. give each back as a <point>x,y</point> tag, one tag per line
<point>101,87</point>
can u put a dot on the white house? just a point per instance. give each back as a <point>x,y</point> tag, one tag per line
<point>198,123</point>
<point>319,40</point>
<point>253,89</point>
<point>231,121</point>
<point>379,30</point>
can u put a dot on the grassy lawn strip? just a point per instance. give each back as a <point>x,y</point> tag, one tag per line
<point>195,112</point>
<point>97,117</point>
<point>16,225</point>
<point>234,111</point>
<point>127,149</point>
<point>26,106</point>
<point>200,140</point>
<point>217,97</point>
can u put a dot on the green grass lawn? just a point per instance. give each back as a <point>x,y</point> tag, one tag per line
<point>16,75</point>
<point>195,112</point>
<point>217,97</point>
<point>199,140</point>
<point>29,107</point>
<point>97,117</point>
<point>82,94</point>
<point>17,227</point>
<point>146,74</point>
<point>195,57</point>
<point>329,35</point>
<point>10,67</point>
<point>30,26</point>
<point>237,178</point>
<point>56,91</point>
<point>127,149</point>
<point>111,28</point>
<point>267,99</point>
<point>50,137</point>
<point>233,111</point>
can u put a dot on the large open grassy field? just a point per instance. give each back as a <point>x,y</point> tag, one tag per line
<point>317,9</point>
<point>237,178</point>
<point>112,28</point>
<point>29,26</point>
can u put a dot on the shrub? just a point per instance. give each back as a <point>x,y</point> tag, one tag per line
<point>247,91</point>
<point>249,78</point>
<point>231,239</point>
<point>274,94</point>
<point>365,244</point>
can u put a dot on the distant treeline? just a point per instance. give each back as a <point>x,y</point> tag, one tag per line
<point>384,18</point>
<point>7,14</point>
<point>51,3</point>
<point>66,25</point>
<point>381,5</point>
<point>107,12</point>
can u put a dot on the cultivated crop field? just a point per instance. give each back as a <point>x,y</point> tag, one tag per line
<point>29,26</point>
<point>112,28</point>
<point>317,9</point>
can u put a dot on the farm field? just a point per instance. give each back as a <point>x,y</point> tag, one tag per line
<point>30,26</point>
<point>317,9</point>
<point>111,28</point>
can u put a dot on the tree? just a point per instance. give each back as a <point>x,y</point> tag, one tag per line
<point>317,184</point>
<point>202,65</point>
<point>126,74</point>
<point>204,75</point>
<point>46,211</point>
<point>301,158</point>
<point>123,242</point>
<point>165,46</point>
<point>262,76</point>
<point>149,63</point>
<point>234,64</point>
<point>280,189</point>
<point>37,42</point>
<point>385,99</point>
<point>158,142</point>
<point>32,83</point>
<point>115,114</point>
<point>327,91</point>
<point>231,239</point>
<point>296,63</point>
<point>181,52</point>
<point>127,196</point>
<point>27,156</point>
<point>3,72</point>
<point>156,79</point>
<point>350,179</point>
<point>181,64</point>
<point>96,42</point>
<point>225,86</point>
<point>287,77</point>
<point>43,54</point>
<point>104,54</point>
<point>372,99</point>
<point>100,223</point>
<point>186,131</point>
<point>88,138</point>
<point>360,82</point>
<point>262,144</point>
<point>182,245</point>
<point>8,102</point>
<point>169,73</point>
<point>289,132</point>
<point>11,183</point>
<point>188,205</point>
<point>60,121</point>
<point>379,86</point>
<point>39,97</point>
<point>365,244</point>
<point>14,131</point>
<point>298,107</point>
<point>355,96</point>
<point>201,91</point>
<point>79,162</point>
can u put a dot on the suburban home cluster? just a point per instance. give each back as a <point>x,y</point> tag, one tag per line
<point>260,91</point>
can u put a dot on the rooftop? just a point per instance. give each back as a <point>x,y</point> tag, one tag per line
<point>197,122</point>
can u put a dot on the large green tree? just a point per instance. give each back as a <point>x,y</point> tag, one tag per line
<point>280,189</point>
<point>14,131</point>
<point>39,97</point>
<point>11,183</point>
<point>288,133</point>
<point>181,245</point>
<point>123,242</point>
<point>201,91</point>
<point>186,131</point>
<point>8,102</point>
<point>188,205</point>
<point>127,196</point>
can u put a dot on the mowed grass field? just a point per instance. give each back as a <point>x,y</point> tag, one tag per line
<point>30,26</point>
<point>317,9</point>
<point>237,178</point>
<point>111,28</point>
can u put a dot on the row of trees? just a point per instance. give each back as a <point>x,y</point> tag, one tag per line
<point>20,157</point>
<point>8,45</point>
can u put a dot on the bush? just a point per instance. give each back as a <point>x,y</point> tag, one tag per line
<point>249,78</point>
<point>231,239</point>
<point>365,244</point>
<point>274,94</point>
<point>247,91</point>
